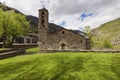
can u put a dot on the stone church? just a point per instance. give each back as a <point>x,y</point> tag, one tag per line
<point>56,38</point>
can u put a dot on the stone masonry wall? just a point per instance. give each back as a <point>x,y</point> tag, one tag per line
<point>66,40</point>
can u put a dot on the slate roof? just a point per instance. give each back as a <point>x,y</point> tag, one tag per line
<point>53,28</point>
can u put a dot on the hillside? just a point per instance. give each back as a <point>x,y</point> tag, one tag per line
<point>107,35</point>
<point>34,21</point>
<point>61,66</point>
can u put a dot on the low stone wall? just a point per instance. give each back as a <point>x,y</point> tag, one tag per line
<point>17,49</point>
<point>12,53</point>
<point>85,51</point>
<point>6,50</point>
<point>22,45</point>
<point>15,52</point>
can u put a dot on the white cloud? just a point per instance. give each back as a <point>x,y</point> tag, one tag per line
<point>70,10</point>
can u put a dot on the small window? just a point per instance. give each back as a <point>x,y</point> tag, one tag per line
<point>42,21</point>
<point>43,43</point>
<point>42,14</point>
<point>63,32</point>
<point>81,41</point>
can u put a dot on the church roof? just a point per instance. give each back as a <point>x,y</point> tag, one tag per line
<point>53,28</point>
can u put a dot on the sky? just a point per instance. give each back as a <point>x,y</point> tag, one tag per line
<point>71,14</point>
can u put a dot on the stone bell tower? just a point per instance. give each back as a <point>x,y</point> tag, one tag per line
<point>43,29</point>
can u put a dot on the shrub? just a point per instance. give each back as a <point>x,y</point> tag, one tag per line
<point>107,44</point>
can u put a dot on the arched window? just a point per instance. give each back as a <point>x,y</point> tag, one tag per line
<point>81,41</point>
<point>42,21</point>
<point>63,46</point>
<point>42,14</point>
<point>63,32</point>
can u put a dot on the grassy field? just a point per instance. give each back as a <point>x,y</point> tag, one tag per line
<point>61,66</point>
<point>32,50</point>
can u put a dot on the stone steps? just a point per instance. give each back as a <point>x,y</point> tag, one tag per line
<point>11,53</point>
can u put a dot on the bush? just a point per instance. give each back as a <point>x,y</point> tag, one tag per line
<point>8,43</point>
<point>107,44</point>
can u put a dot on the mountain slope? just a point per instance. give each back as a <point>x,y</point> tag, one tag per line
<point>61,66</point>
<point>34,21</point>
<point>107,35</point>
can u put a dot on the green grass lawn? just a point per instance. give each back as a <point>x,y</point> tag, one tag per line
<point>61,66</point>
<point>3,48</point>
<point>32,50</point>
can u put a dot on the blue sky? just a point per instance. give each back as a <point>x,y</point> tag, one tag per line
<point>71,14</point>
<point>85,15</point>
<point>63,23</point>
